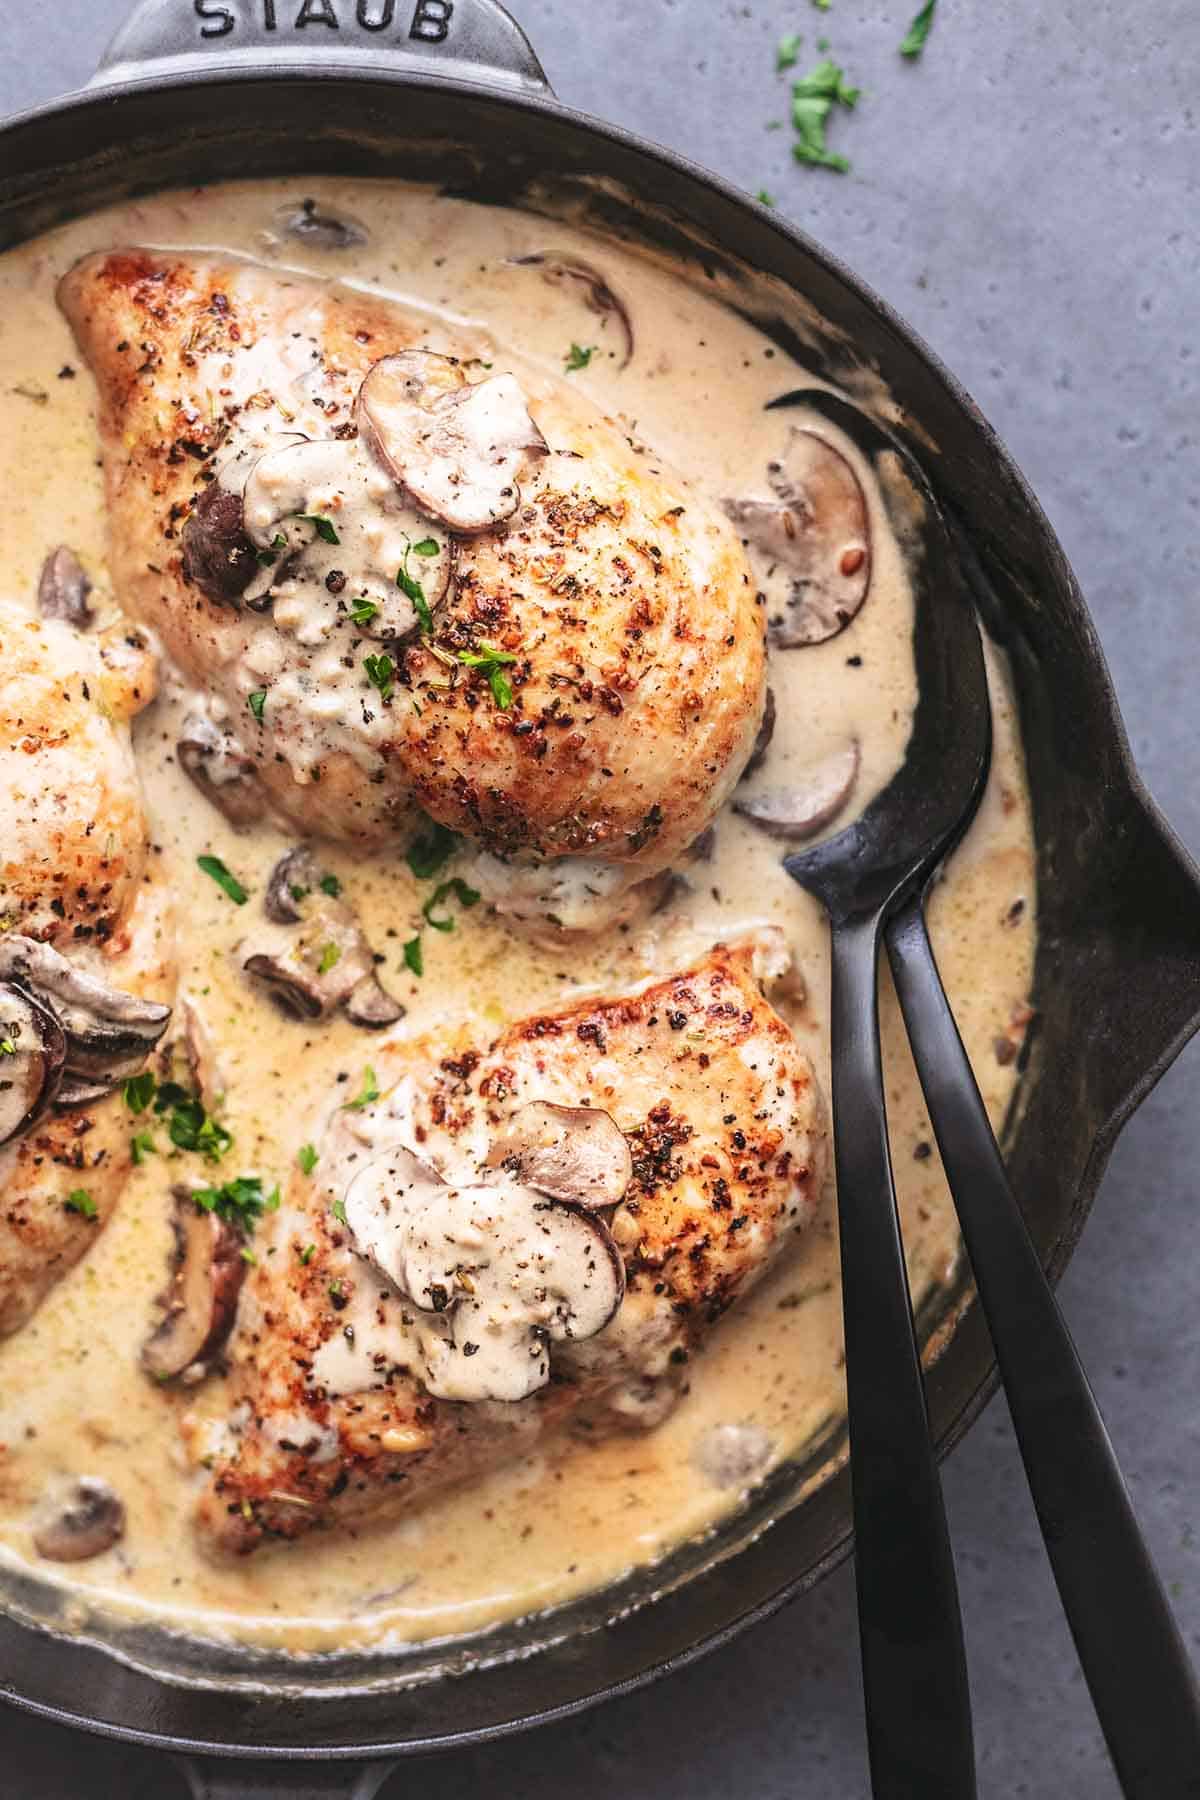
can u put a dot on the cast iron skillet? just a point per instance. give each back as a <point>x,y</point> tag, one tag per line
<point>449,91</point>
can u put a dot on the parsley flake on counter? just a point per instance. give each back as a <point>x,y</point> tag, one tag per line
<point>578,357</point>
<point>139,1091</point>
<point>788,53</point>
<point>229,884</point>
<point>466,897</point>
<point>81,1202</point>
<point>308,1158</point>
<point>380,673</point>
<point>367,1095</point>
<point>414,957</point>
<point>323,526</point>
<point>431,852</point>
<point>822,5</point>
<point>813,98</point>
<point>338,1209</point>
<point>142,1145</point>
<point>364,610</point>
<point>330,957</point>
<point>491,663</point>
<point>918,31</point>
<point>257,702</point>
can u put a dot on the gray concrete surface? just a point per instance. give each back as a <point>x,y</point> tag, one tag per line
<point>1027,196</point>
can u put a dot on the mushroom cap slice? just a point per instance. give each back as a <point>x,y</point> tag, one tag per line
<point>218,556</point>
<point>84,1519</point>
<point>815,538</point>
<point>318,957</point>
<point>458,450</point>
<point>575,1153</point>
<point>319,227</point>
<point>813,801</point>
<point>63,589</point>
<point>603,300</point>
<point>33,1051</point>
<point>216,763</point>
<point>496,1272</point>
<point>109,1033</point>
<point>200,1303</point>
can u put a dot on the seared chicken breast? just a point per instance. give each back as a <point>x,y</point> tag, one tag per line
<point>400,577</point>
<point>85,950</point>
<point>495,1238</point>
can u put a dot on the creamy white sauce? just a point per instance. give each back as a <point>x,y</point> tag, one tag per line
<point>578,1513</point>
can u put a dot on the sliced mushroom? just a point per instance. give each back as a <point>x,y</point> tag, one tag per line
<point>200,1302</point>
<point>33,1050</point>
<point>109,1033</point>
<point>217,553</point>
<point>762,742</point>
<point>815,539</point>
<point>216,763</point>
<point>600,298</point>
<point>570,1152</point>
<point>317,958</point>
<point>459,450</point>
<point>496,1273</point>
<point>814,801</point>
<point>64,588</point>
<point>83,1519</point>
<point>319,227</point>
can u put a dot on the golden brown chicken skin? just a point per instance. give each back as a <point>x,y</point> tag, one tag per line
<point>339,1411</point>
<point>86,953</point>
<point>588,677</point>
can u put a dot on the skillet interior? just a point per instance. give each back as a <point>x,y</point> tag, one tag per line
<point>1118,971</point>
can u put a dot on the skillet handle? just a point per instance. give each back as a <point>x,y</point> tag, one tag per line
<point>213,1779</point>
<point>472,40</point>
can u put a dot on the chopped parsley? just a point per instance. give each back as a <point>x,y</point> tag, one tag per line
<point>491,663</point>
<point>189,1126</point>
<point>411,588</point>
<point>248,1256</point>
<point>822,5</point>
<point>381,671</point>
<point>364,610</point>
<point>414,957</point>
<point>139,1091</point>
<point>914,41</point>
<point>323,527</point>
<point>338,1209</point>
<point>788,53</point>
<point>306,1255</point>
<point>268,558</point>
<point>330,956</point>
<point>466,897</point>
<point>257,702</point>
<point>239,1202</point>
<point>329,884</point>
<point>367,1095</point>
<point>142,1145</point>
<point>229,884</point>
<point>7,1047</point>
<point>579,356</point>
<point>81,1202</point>
<point>431,852</point>
<point>426,547</point>
<point>308,1159</point>
<point>813,98</point>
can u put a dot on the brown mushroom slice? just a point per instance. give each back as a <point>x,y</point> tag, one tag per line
<point>215,762</point>
<point>766,733</point>
<point>63,590</point>
<point>218,556</point>
<point>459,453</point>
<point>814,538</point>
<point>109,1033</point>
<point>600,297</point>
<point>33,1050</point>
<point>81,1520</point>
<point>318,958</point>
<point>810,803</point>
<point>495,1272</point>
<point>319,227</point>
<point>569,1152</point>
<point>200,1302</point>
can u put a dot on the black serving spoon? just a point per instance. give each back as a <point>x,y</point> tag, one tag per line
<point>914,1668</point>
<point>1133,1658</point>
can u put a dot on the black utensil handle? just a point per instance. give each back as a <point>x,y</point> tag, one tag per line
<point>914,1667</point>
<point>218,1779</point>
<point>1134,1660</point>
